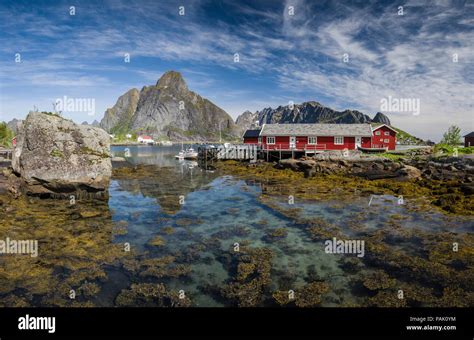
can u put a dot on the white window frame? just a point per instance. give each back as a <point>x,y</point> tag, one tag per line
<point>336,138</point>
<point>271,140</point>
<point>377,133</point>
<point>386,140</point>
<point>259,140</point>
<point>315,140</point>
<point>386,133</point>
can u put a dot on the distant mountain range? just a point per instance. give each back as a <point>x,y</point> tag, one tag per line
<point>169,110</point>
<point>12,124</point>
<point>307,112</point>
<point>95,123</point>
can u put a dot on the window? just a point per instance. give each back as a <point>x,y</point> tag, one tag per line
<point>338,140</point>
<point>312,140</point>
<point>385,140</point>
<point>387,133</point>
<point>259,140</point>
<point>377,133</point>
<point>270,140</point>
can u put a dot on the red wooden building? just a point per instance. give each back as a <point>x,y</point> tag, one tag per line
<point>320,137</point>
<point>469,139</point>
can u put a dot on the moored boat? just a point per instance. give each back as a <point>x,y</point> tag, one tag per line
<point>187,154</point>
<point>372,150</point>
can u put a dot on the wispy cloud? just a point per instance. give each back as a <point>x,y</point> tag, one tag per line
<point>282,56</point>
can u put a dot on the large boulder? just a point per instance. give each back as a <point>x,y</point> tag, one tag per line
<point>410,172</point>
<point>289,163</point>
<point>56,157</point>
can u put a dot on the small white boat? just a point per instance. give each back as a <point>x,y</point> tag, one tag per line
<point>226,145</point>
<point>180,155</point>
<point>167,143</point>
<point>187,154</point>
<point>190,154</point>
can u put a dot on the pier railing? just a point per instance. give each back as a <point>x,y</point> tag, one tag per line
<point>291,147</point>
<point>315,147</point>
<point>207,155</point>
<point>238,151</point>
<point>6,153</point>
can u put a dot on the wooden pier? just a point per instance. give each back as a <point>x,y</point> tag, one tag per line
<point>239,152</point>
<point>6,153</point>
<point>207,155</point>
<point>245,152</point>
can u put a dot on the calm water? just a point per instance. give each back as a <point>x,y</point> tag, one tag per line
<point>225,241</point>
<point>227,211</point>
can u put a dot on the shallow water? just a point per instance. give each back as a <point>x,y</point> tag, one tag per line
<point>201,217</point>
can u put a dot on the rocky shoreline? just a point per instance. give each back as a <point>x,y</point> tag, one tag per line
<point>415,166</point>
<point>446,182</point>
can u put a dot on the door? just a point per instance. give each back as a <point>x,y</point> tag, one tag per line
<point>292,142</point>
<point>358,142</point>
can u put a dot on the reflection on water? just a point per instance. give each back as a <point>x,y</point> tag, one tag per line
<point>162,156</point>
<point>223,241</point>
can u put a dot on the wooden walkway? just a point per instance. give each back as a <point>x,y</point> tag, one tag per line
<point>239,151</point>
<point>6,153</point>
<point>208,155</point>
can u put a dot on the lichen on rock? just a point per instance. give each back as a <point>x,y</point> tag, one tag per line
<point>54,157</point>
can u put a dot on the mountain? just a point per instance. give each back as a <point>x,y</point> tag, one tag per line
<point>307,112</point>
<point>13,125</point>
<point>117,119</point>
<point>169,110</point>
<point>246,120</point>
<point>381,118</point>
<point>95,123</point>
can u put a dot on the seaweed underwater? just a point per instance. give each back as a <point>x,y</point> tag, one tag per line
<point>237,240</point>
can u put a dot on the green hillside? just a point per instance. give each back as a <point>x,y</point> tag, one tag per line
<point>404,137</point>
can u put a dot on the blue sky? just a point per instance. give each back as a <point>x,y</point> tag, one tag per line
<point>283,57</point>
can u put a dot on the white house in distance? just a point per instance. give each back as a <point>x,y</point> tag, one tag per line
<point>145,140</point>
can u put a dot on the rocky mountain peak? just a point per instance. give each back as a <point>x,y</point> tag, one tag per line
<point>381,118</point>
<point>172,80</point>
<point>308,112</point>
<point>117,118</point>
<point>169,110</point>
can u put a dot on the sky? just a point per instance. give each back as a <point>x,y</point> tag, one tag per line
<point>352,54</point>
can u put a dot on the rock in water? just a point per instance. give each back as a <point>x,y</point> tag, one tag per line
<point>54,157</point>
<point>410,172</point>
